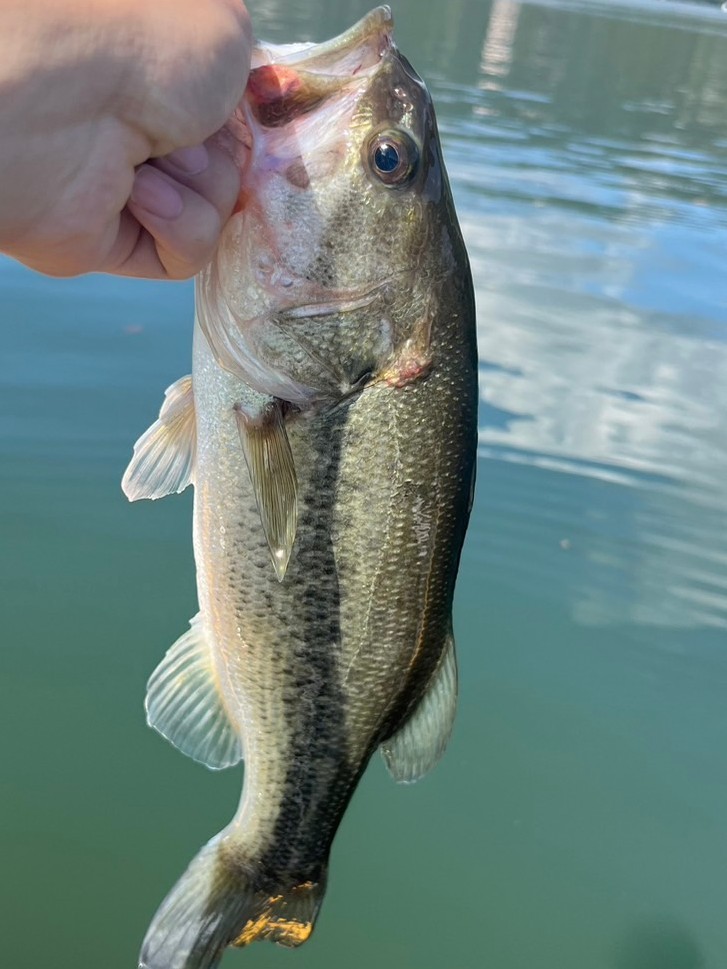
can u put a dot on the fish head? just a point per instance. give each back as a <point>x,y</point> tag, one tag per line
<point>344,218</point>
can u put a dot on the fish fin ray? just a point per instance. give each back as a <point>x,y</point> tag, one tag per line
<point>164,455</point>
<point>270,462</point>
<point>184,704</point>
<point>216,903</point>
<point>420,741</point>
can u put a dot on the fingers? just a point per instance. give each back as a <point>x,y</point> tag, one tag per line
<point>178,207</point>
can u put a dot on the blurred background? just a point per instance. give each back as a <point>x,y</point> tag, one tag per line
<point>579,819</point>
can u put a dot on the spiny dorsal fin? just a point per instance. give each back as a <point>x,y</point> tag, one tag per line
<point>269,460</point>
<point>417,746</point>
<point>184,703</point>
<point>163,461</point>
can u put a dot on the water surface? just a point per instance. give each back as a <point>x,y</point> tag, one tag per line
<point>578,820</point>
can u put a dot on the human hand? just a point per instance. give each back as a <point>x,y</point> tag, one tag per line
<point>107,114</point>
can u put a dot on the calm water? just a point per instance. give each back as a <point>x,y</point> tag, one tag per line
<point>579,820</point>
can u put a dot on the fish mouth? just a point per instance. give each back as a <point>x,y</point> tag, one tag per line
<point>357,49</point>
<point>289,81</point>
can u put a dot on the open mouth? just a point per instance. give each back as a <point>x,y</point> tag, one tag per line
<point>286,82</point>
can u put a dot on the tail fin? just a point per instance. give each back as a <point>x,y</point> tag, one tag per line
<point>217,903</point>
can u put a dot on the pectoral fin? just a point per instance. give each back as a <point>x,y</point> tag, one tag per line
<point>163,461</point>
<point>184,702</point>
<point>417,746</point>
<point>272,472</point>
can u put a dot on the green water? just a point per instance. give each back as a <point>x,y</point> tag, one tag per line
<point>579,819</point>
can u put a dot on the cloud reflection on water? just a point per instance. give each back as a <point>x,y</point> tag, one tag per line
<point>603,308</point>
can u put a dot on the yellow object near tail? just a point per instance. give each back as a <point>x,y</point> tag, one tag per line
<point>220,901</point>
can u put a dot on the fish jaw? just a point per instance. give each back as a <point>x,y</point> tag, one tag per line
<point>347,54</point>
<point>291,79</point>
<point>284,86</point>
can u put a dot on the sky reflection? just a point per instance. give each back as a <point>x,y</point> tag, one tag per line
<point>598,251</point>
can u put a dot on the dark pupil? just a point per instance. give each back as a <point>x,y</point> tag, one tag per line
<point>386,158</point>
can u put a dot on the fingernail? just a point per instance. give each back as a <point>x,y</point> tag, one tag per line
<point>156,194</point>
<point>191,161</point>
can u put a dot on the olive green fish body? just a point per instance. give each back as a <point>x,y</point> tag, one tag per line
<point>327,664</point>
<point>329,429</point>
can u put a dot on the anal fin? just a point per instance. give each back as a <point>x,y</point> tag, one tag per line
<point>184,703</point>
<point>269,460</point>
<point>163,461</point>
<point>419,743</point>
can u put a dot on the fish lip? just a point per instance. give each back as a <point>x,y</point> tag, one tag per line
<point>365,42</point>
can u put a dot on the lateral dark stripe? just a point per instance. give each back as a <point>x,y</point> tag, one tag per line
<point>319,780</point>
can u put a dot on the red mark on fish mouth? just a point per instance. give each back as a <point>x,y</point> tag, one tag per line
<point>273,82</point>
<point>278,94</point>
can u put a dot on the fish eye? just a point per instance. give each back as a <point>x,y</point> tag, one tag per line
<point>393,157</point>
<point>386,158</point>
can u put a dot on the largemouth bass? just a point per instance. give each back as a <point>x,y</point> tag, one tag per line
<point>329,429</point>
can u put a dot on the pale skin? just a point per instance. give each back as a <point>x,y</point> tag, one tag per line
<point>108,115</point>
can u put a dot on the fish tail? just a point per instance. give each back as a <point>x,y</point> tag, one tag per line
<point>222,900</point>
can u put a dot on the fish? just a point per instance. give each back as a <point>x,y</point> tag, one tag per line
<point>329,430</point>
